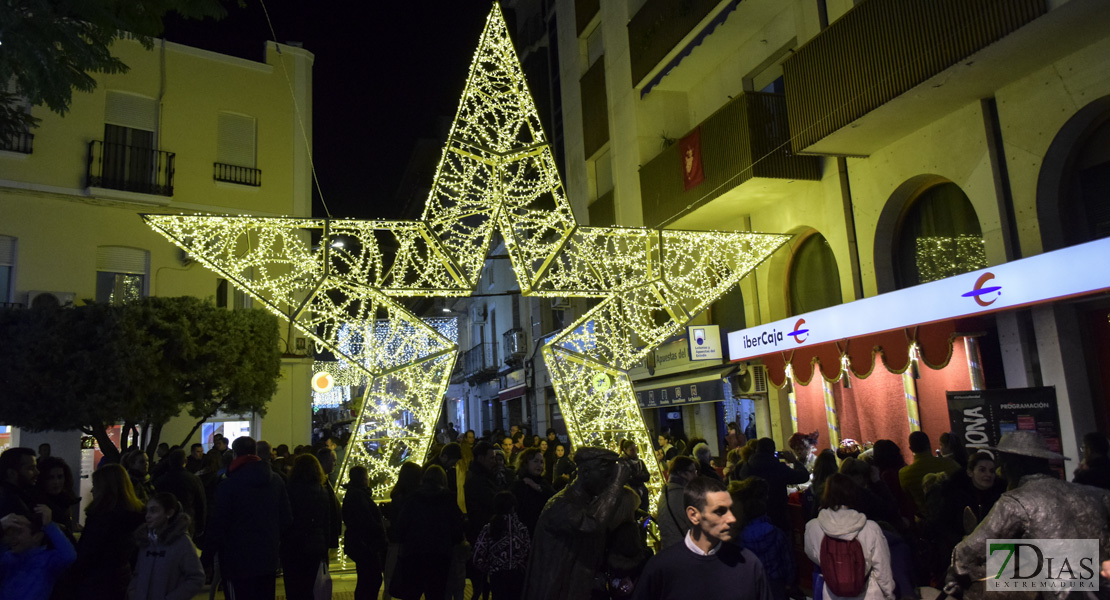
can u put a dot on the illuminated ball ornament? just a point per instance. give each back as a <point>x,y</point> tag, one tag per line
<point>323,382</point>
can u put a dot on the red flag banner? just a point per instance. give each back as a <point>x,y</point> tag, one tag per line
<point>689,150</point>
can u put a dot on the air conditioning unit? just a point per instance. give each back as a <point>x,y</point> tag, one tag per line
<point>752,380</point>
<point>560,303</point>
<point>37,298</point>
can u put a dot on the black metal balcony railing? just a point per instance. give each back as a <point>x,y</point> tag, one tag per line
<point>21,142</point>
<point>130,168</point>
<point>658,27</point>
<point>882,49</point>
<point>595,108</point>
<point>745,138</point>
<point>237,174</point>
<point>480,360</point>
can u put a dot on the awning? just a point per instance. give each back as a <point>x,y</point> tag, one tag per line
<point>512,393</point>
<point>691,387</point>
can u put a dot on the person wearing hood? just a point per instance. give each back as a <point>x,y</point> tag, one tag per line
<point>839,519</point>
<point>167,566</point>
<point>250,512</point>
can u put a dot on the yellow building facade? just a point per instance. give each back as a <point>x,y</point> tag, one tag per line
<point>184,131</point>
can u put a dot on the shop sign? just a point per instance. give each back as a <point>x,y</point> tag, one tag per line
<point>683,393</point>
<point>981,417</point>
<point>704,342</point>
<point>1050,276</point>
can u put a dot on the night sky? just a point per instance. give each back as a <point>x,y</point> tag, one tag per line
<point>385,74</point>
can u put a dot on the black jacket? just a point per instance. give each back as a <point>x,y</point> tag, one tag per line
<point>530,502</point>
<point>778,476</point>
<point>250,511</point>
<point>481,486</point>
<point>365,541</point>
<point>104,552</point>
<point>314,519</point>
<point>1097,473</point>
<point>189,492</point>
<point>430,524</point>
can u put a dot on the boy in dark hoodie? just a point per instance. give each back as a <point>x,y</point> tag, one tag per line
<point>30,566</point>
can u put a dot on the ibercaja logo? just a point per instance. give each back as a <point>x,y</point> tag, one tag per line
<point>1042,565</point>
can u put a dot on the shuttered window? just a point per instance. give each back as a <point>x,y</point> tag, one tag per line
<point>120,259</point>
<point>236,140</point>
<point>131,110</point>
<point>7,267</point>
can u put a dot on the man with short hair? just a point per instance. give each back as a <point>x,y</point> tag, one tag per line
<point>507,446</point>
<point>666,452</point>
<point>18,474</point>
<point>671,517</point>
<point>705,566</point>
<point>195,461</point>
<point>911,476</point>
<point>251,510</point>
<point>44,450</point>
<point>468,437</point>
<point>186,487</point>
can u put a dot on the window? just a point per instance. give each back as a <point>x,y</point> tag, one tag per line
<point>7,268</point>
<point>129,157</point>
<point>121,274</point>
<point>1086,202</point>
<point>939,237</point>
<point>19,141</point>
<point>814,278</point>
<point>236,140</point>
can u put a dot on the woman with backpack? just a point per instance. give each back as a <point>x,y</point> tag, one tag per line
<point>850,550</point>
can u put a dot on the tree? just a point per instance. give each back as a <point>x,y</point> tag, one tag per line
<point>49,48</point>
<point>139,364</point>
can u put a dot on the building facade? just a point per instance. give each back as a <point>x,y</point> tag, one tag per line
<point>184,131</point>
<point>901,143</point>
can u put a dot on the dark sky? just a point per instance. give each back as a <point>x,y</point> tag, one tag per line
<point>385,72</point>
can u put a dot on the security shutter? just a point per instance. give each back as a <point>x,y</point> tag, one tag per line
<point>130,110</point>
<point>7,250</point>
<point>118,259</point>
<point>235,145</point>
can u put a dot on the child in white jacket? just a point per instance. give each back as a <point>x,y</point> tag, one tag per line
<point>840,520</point>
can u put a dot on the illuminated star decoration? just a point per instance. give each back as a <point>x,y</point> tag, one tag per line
<point>497,175</point>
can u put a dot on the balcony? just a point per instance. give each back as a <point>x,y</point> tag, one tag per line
<point>132,169</point>
<point>595,109</point>
<point>658,27</point>
<point>480,363</point>
<point>746,161</point>
<point>235,174</point>
<point>21,142</point>
<point>889,67</point>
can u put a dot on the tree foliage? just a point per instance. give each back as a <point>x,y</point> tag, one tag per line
<point>140,364</point>
<point>48,48</point>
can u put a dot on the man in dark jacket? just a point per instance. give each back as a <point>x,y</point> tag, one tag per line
<point>251,509</point>
<point>766,463</point>
<point>188,489</point>
<point>18,474</point>
<point>482,484</point>
<point>365,542</point>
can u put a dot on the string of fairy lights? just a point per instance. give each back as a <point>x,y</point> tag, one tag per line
<point>496,175</point>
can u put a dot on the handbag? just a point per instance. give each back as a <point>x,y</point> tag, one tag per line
<point>321,590</point>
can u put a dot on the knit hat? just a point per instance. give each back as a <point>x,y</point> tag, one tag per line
<point>1027,443</point>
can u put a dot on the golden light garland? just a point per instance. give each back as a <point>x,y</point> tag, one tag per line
<point>496,175</point>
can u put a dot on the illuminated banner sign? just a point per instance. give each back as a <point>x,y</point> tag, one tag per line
<point>704,342</point>
<point>1050,276</point>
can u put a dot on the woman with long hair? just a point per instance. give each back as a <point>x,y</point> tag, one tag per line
<point>55,485</point>
<point>408,481</point>
<point>304,547</point>
<point>102,569</point>
<point>532,491</point>
<point>167,565</point>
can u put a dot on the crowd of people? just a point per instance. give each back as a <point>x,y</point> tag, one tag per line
<point>524,516</point>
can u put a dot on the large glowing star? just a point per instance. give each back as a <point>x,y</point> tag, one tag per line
<point>496,176</point>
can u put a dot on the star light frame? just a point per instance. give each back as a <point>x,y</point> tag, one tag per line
<point>497,175</point>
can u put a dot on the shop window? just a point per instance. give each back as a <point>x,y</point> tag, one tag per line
<point>814,281</point>
<point>1086,203</point>
<point>121,274</point>
<point>939,237</point>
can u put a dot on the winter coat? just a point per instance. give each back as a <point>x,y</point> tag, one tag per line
<point>505,552</point>
<point>847,524</point>
<point>31,575</point>
<point>102,569</point>
<point>481,487</point>
<point>365,540</point>
<point>945,504</point>
<point>250,511</point>
<point>314,518</point>
<point>189,491</point>
<point>530,502</point>
<point>672,520</point>
<point>430,524</point>
<point>778,476</point>
<point>167,566</point>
